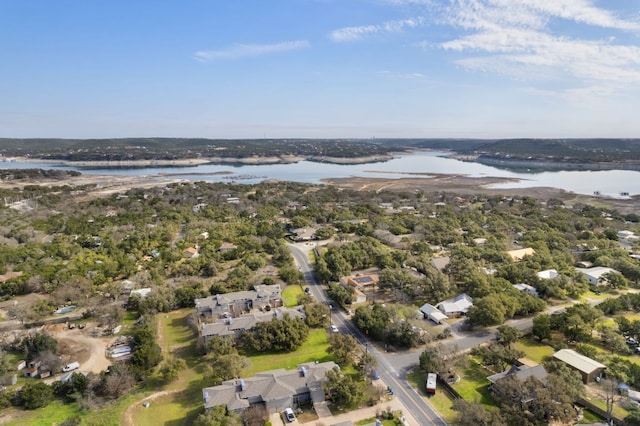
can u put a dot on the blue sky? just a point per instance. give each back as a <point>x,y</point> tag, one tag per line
<point>320,68</point>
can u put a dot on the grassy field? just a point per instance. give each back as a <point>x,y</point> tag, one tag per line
<point>473,383</point>
<point>181,400</point>
<point>290,295</point>
<point>534,351</point>
<point>314,349</point>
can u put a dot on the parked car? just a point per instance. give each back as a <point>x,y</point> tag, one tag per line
<point>288,415</point>
<point>631,341</point>
<point>334,329</point>
<point>374,374</point>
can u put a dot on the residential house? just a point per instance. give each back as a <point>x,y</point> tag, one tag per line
<point>274,390</point>
<point>588,368</point>
<point>224,247</point>
<point>522,373</point>
<point>526,288</point>
<point>142,292</point>
<point>263,297</point>
<point>432,313</point>
<point>362,282</point>
<point>191,252</point>
<point>235,326</point>
<point>517,255</point>
<point>547,274</point>
<point>456,306</point>
<point>440,262</point>
<point>303,234</point>
<point>627,235</point>
<point>595,274</point>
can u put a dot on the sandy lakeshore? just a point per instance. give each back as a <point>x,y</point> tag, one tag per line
<point>106,184</point>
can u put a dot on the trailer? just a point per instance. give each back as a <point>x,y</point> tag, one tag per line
<point>121,349</point>
<point>432,379</point>
<point>121,354</point>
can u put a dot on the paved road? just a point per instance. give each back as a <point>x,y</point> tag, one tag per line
<point>392,372</point>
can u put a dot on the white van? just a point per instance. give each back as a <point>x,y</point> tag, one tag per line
<point>288,414</point>
<point>71,366</point>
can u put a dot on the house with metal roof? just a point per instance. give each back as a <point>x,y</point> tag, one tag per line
<point>274,390</point>
<point>588,368</point>
<point>432,313</point>
<point>456,306</point>
<point>595,274</point>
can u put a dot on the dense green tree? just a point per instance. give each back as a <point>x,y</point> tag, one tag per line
<point>317,315</point>
<point>474,414</point>
<point>226,367</point>
<point>541,327</point>
<point>343,347</point>
<point>36,395</point>
<point>343,388</point>
<point>218,416</point>
<point>35,343</point>
<point>507,335</point>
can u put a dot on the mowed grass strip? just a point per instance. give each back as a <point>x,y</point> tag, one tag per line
<point>534,351</point>
<point>314,349</point>
<point>290,295</point>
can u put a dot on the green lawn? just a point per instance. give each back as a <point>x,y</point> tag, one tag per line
<point>533,350</point>
<point>314,349</point>
<point>290,295</point>
<point>54,413</point>
<point>473,383</point>
<point>184,399</point>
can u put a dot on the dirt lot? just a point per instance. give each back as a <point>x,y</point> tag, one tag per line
<point>80,345</point>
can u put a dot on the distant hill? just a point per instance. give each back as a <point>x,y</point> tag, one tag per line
<point>583,151</point>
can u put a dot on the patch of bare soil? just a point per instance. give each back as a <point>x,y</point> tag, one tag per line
<point>79,345</point>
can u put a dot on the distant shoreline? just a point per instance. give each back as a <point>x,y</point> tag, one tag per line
<point>189,162</point>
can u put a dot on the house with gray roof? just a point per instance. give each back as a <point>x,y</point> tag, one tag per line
<point>456,306</point>
<point>522,373</point>
<point>595,274</point>
<point>235,326</point>
<point>263,297</point>
<point>274,390</point>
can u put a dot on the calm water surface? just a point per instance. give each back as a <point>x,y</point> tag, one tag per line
<point>609,182</point>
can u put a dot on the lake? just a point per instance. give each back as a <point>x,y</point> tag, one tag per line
<point>609,183</point>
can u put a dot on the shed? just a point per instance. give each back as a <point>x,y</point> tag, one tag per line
<point>589,368</point>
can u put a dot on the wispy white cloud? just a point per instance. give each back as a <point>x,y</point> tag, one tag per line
<point>243,50</point>
<point>358,33</point>
<point>516,37</point>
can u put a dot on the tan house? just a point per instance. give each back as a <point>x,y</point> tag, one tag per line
<point>517,255</point>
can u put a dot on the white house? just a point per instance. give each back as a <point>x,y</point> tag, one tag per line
<point>547,274</point>
<point>627,235</point>
<point>458,305</point>
<point>594,275</point>
<point>526,288</point>
<point>432,313</point>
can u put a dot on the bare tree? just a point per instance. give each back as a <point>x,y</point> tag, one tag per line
<point>255,415</point>
<point>608,390</point>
